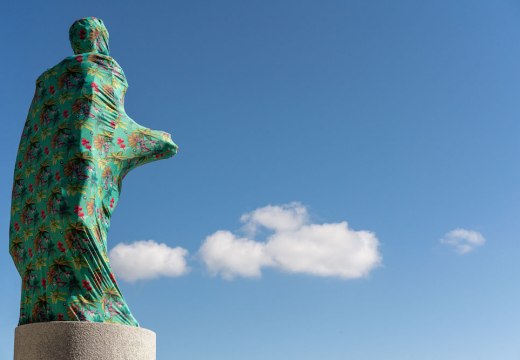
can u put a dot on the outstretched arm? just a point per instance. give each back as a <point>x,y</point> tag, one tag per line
<point>141,145</point>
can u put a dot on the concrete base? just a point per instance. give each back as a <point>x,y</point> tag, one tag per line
<point>79,340</point>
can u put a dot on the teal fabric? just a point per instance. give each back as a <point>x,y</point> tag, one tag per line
<point>76,147</point>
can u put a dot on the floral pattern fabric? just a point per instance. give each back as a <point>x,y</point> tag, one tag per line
<point>76,147</point>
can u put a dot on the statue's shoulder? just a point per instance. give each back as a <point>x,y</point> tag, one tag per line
<point>83,63</point>
<point>70,62</point>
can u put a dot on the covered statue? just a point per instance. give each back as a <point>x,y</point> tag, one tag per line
<point>76,147</point>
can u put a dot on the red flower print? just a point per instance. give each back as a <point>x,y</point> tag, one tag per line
<point>51,89</point>
<point>31,189</point>
<point>79,58</point>
<point>35,127</point>
<point>86,285</point>
<point>16,226</point>
<point>113,123</point>
<point>44,282</point>
<point>86,144</point>
<point>77,210</point>
<point>60,317</point>
<point>94,86</point>
<point>46,150</point>
<point>43,214</point>
<point>65,114</point>
<point>57,175</point>
<point>19,164</point>
<point>112,277</point>
<point>82,34</point>
<point>30,252</point>
<point>60,246</point>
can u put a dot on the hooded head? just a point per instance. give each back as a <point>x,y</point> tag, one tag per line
<point>89,35</point>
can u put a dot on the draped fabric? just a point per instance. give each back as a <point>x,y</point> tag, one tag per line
<point>76,147</point>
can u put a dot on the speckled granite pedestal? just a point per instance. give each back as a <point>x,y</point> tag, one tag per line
<point>76,340</point>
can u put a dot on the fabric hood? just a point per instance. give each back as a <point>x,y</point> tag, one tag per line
<point>89,35</point>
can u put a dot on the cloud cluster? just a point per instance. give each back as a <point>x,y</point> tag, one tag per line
<point>462,240</point>
<point>295,245</point>
<point>147,259</point>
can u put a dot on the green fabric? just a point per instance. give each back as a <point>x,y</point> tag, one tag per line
<point>76,147</point>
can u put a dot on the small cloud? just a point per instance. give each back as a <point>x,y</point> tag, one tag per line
<point>147,259</point>
<point>462,240</point>
<point>278,218</point>
<point>295,246</point>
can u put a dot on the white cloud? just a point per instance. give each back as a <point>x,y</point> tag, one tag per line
<point>325,250</point>
<point>462,240</point>
<point>146,259</point>
<point>228,255</point>
<point>279,218</point>
<point>295,246</point>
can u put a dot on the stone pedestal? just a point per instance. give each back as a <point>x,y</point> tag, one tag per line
<point>78,340</point>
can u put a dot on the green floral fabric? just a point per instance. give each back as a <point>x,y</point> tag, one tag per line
<point>76,147</point>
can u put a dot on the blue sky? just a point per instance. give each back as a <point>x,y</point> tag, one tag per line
<point>397,117</point>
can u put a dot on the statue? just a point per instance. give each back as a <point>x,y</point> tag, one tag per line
<point>76,147</point>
